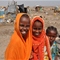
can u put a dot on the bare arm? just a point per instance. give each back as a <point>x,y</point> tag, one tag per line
<point>48,48</point>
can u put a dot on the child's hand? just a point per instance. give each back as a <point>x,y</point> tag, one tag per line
<point>56,57</point>
<point>31,56</point>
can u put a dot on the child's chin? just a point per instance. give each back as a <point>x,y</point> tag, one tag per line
<point>51,41</point>
<point>36,35</point>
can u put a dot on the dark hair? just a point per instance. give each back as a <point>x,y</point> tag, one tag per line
<point>51,28</point>
<point>38,21</point>
<point>25,15</point>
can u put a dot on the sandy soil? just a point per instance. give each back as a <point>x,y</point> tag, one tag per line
<point>5,34</point>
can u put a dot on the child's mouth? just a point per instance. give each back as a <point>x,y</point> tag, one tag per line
<point>23,32</point>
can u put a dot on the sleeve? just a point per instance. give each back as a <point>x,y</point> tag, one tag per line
<point>56,49</point>
<point>48,48</point>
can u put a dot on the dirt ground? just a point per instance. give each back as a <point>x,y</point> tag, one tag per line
<point>5,34</point>
<point>6,30</point>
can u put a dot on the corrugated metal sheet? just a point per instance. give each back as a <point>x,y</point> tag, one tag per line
<point>12,8</point>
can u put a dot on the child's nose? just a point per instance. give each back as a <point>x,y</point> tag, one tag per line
<point>24,28</point>
<point>37,30</point>
<point>51,38</point>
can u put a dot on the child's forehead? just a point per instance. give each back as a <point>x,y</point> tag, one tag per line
<point>24,19</point>
<point>37,23</point>
<point>52,31</point>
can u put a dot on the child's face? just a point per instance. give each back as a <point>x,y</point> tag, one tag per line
<point>24,25</point>
<point>37,28</point>
<point>52,36</point>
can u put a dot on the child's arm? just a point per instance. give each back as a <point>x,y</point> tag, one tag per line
<point>31,56</point>
<point>56,57</point>
<point>48,48</point>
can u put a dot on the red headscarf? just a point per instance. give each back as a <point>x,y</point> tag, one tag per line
<point>39,42</point>
<point>18,49</point>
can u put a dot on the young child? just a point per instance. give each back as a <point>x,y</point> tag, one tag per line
<point>20,45</point>
<point>39,39</point>
<point>52,32</point>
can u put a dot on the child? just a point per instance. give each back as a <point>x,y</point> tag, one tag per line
<point>51,32</point>
<point>20,44</point>
<point>39,39</point>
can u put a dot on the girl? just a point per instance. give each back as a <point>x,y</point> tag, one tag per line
<point>39,39</point>
<point>52,32</point>
<point>20,44</point>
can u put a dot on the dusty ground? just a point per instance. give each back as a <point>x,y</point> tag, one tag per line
<point>6,30</point>
<point>5,34</point>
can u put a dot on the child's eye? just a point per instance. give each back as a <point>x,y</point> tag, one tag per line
<point>54,36</point>
<point>21,25</point>
<point>27,25</point>
<point>35,28</point>
<point>39,28</point>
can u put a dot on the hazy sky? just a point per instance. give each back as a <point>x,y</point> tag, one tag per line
<point>32,2</point>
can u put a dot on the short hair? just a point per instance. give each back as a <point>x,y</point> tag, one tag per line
<point>25,15</point>
<point>51,28</point>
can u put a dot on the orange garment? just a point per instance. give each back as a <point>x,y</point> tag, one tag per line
<point>39,42</point>
<point>18,49</point>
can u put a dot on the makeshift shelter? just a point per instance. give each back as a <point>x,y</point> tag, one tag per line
<point>22,8</point>
<point>57,9</point>
<point>38,8</point>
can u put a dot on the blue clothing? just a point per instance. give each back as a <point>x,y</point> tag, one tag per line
<point>54,50</point>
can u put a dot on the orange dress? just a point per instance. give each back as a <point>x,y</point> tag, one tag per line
<point>18,49</point>
<point>39,43</point>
